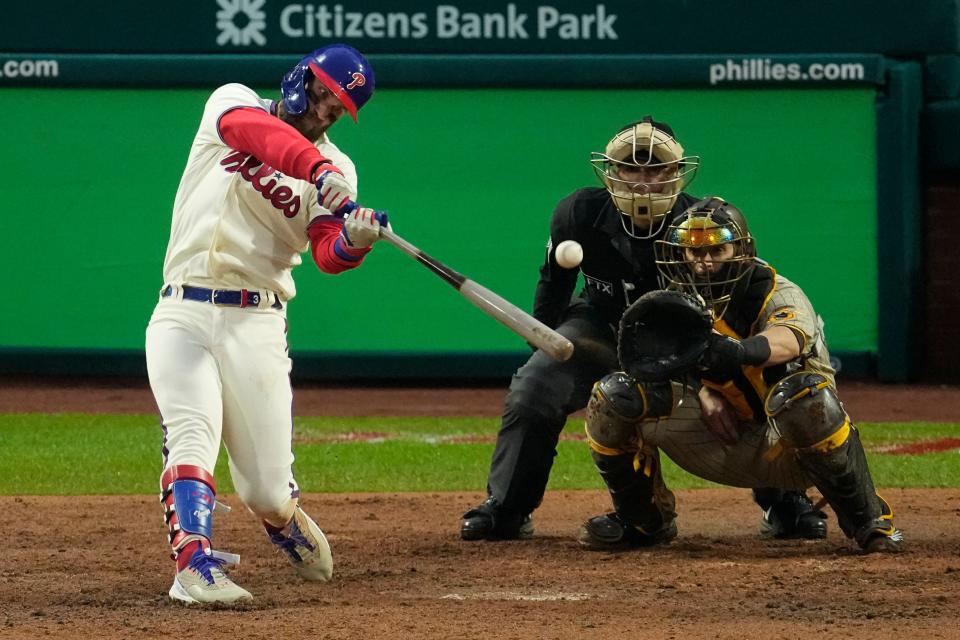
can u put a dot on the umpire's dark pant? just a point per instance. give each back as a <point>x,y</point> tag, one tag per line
<point>542,394</point>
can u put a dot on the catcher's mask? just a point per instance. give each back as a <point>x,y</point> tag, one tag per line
<point>644,170</point>
<point>343,70</point>
<point>710,232</point>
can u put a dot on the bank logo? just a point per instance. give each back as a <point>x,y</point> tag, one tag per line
<point>241,22</point>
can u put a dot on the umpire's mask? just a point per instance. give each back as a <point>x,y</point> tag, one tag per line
<point>644,170</point>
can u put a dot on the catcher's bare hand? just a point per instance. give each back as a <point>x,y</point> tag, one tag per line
<point>718,415</point>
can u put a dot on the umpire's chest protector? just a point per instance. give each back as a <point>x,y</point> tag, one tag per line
<point>617,268</point>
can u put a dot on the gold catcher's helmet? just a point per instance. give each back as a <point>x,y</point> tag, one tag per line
<point>644,170</point>
<point>710,222</point>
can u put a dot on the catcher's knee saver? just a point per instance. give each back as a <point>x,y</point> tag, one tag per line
<point>616,407</point>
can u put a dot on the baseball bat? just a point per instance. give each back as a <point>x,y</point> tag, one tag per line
<point>505,312</point>
<point>508,314</point>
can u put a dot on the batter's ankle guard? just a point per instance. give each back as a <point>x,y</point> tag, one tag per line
<point>188,495</point>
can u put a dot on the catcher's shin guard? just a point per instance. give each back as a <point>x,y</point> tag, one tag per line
<point>635,482</point>
<point>188,494</point>
<point>807,412</point>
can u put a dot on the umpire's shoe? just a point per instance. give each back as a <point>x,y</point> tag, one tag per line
<point>793,517</point>
<point>610,532</point>
<point>305,546</point>
<point>204,582</point>
<point>488,521</point>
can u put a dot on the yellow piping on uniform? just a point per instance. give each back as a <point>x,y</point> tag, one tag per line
<point>730,391</point>
<point>767,298</point>
<point>722,326</point>
<point>754,375</point>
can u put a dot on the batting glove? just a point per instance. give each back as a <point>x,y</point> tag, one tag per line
<point>361,228</point>
<point>333,190</point>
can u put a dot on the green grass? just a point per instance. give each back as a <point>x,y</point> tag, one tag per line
<point>77,454</point>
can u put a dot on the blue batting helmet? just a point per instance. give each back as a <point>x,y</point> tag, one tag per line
<point>340,68</point>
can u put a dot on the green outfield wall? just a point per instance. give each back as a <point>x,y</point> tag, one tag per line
<point>815,117</point>
<point>469,175</point>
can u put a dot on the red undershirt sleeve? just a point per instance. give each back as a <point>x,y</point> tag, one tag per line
<point>331,253</point>
<point>271,141</point>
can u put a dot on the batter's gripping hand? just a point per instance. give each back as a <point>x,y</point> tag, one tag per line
<point>663,335</point>
<point>361,227</point>
<point>333,190</point>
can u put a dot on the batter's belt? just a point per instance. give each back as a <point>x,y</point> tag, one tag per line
<point>225,297</point>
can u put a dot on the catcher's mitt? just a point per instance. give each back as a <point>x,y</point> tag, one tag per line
<point>663,335</point>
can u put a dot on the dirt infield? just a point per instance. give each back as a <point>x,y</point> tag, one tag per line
<point>95,566</point>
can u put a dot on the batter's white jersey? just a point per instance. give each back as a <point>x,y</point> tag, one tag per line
<point>237,222</point>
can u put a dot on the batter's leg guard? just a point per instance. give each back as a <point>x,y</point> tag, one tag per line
<point>806,411</point>
<point>188,495</point>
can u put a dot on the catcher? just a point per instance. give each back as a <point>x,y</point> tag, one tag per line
<point>644,171</point>
<point>728,373</point>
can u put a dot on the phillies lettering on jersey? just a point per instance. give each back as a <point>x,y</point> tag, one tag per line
<point>239,220</point>
<point>255,172</point>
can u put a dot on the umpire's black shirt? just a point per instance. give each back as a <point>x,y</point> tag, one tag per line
<point>617,268</point>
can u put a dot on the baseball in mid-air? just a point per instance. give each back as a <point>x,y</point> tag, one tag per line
<point>569,254</point>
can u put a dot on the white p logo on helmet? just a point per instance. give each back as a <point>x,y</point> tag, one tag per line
<point>644,170</point>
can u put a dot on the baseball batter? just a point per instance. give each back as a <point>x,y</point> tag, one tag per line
<point>764,411</point>
<point>644,171</point>
<point>261,186</point>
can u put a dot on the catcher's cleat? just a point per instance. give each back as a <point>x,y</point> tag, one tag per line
<point>203,581</point>
<point>879,535</point>
<point>487,521</point>
<point>610,533</point>
<point>306,547</point>
<point>793,517</point>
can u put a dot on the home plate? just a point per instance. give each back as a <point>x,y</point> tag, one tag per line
<point>541,596</point>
